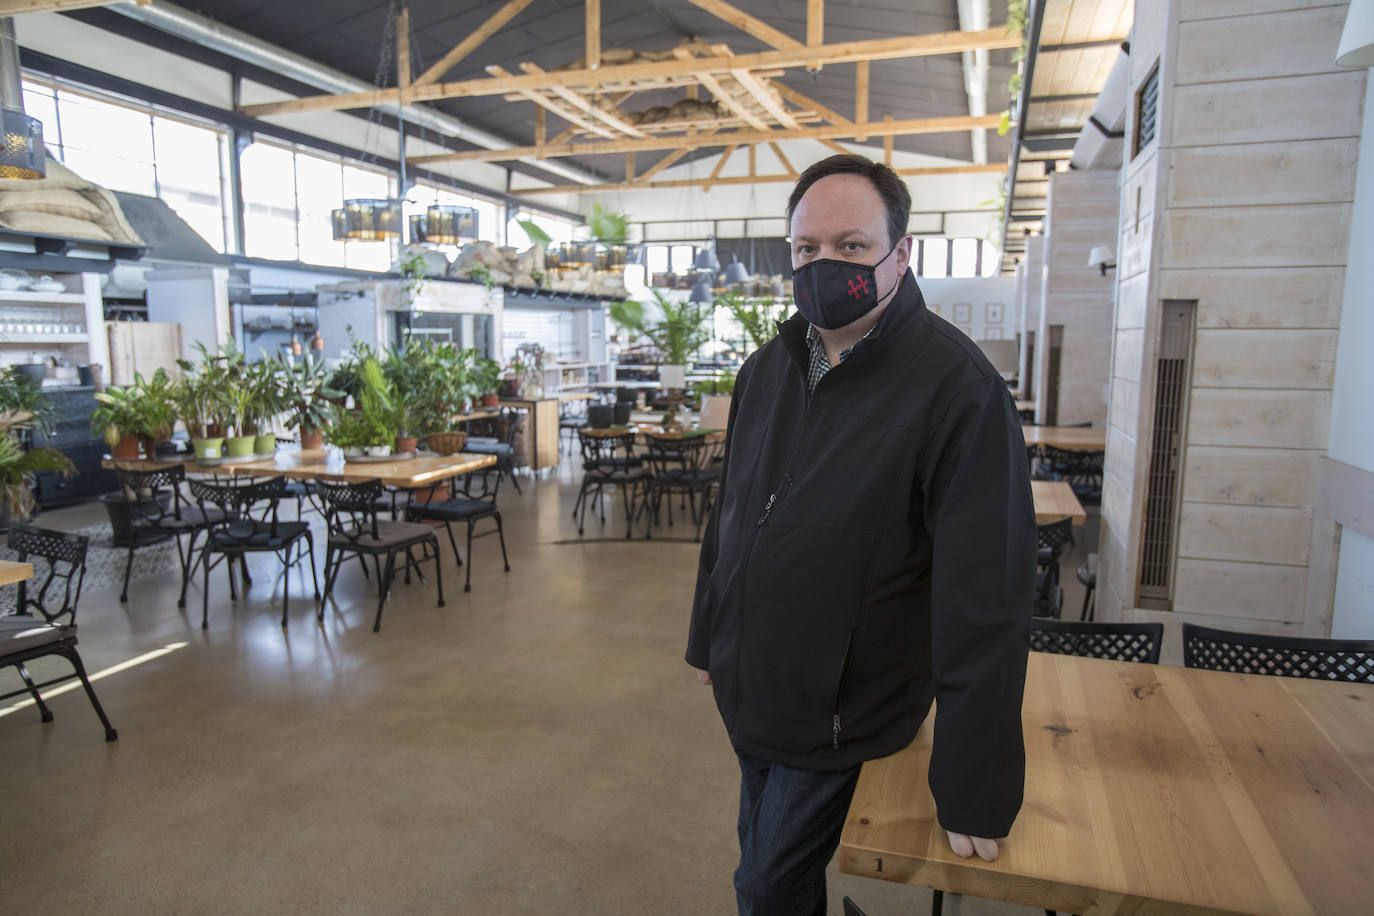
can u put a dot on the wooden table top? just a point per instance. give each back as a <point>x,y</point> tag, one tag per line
<point>653,429</point>
<point>1151,789</point>
<point>1024,405</point>
<point>310,463</point>
<point>12,572</point>
<point>1081,438</point>
<point>1055,499</point>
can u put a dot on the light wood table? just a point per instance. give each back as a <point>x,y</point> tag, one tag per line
<point>405,474</point>
<point>1054,500</point>
<point>1152,789</point>
<point>12,572</point>
<point>1078,438</point>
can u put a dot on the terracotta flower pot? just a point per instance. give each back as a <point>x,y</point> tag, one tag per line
<point>491,400</point>
<point>406,444</point>
<point>126,447</point>
<point>311,438</point>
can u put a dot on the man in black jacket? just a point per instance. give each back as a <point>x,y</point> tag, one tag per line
<point>872,549</point>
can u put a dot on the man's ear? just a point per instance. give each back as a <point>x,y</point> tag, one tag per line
<point>904,248</point>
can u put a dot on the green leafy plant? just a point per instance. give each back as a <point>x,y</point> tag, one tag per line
<point>611,227</point>
<point>482,273</point>
<point>374,422</point>
<point>431,379</point>
<point>758,317</point>
<point>201,394</point>
<point>678,335</point>
<point>148,407</point>
<point>722,384</point>
<point>413,272</point>
<point>486,375</point>
<point>536,235</point>
<point>18,465</point>
<point>22,394</point>
<point>308,395</point>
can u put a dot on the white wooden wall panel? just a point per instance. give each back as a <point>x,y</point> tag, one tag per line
<point>1189,10</point>
<point>1264,359</point>
<point>1316,235</point>
<point>1244,590</point>
<point>1288,43</point>
<point>1306,172</point>
<point>1259,419</point>
<point>1245,534</point>
<point>1249,476</point>
<point>1131,302</point>
<point>1260,297</point>
<point>1260,111</point>
<point>1126,362</point>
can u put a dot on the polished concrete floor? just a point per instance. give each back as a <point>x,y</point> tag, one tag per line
<point>537,746</point>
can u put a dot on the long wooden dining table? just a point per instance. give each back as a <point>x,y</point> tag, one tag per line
<point>1073,438</point>
<point>307,464</point>
<point>1153,789</point>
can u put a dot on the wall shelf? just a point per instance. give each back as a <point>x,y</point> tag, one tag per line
<point>36,298</point>
<point>27,339</point>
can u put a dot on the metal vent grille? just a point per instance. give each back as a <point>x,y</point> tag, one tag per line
<point>1161,496</point>
<point>1146,112</point>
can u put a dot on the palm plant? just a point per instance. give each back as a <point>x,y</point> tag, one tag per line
<point>758,317</point>
<point>22,394</point>
<point>307,393</point>
<point>678,335</point>
<point>17,466</point>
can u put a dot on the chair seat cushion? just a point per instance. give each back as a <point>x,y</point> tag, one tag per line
<point>21,633</point>
<point>256,535</point>
<point>487,448</point>
<point>192,517</point>
<point>456,509</point>
<point>389,534</point>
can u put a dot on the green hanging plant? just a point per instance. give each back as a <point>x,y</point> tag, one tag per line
<point>536,235</point>
<point>609,226</point>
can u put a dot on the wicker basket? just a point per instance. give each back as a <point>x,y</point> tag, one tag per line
<point>449,443</point>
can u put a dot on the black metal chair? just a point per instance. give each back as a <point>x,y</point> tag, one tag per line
<point>1348,660</point>
<point>496,436</point>
<point>238,533</point>
<point>1087,577</point>
<point>569,422</point>
<point>350,511</point>
<point>476,502</point>
<point>609,461</point>
<point>1052,539</point>
<point>158,511</point>
<point>24,637</point>
<point>1081,470</point>
<point>1122,642</point>
<point>683,466</point>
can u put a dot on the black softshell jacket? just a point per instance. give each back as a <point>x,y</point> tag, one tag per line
<point>873,548</point>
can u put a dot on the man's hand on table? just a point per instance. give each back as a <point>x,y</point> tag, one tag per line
<point>703,675</point>
<point>965,846</point>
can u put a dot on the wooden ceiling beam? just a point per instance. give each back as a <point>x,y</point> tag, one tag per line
<point>861,97</point>
<point>725,98</point>
<point>887,142</point>
<point>746,23</point>
<point>765,98</point>
<point>15,7</point>
<point>720,164</point>
<point>663,163</point>
<point>869,49</point>
<point>802,101</point>
<point>403,50</point>
<point>777,151</point>
<point>815,28</point>
<point>941,125</point>
<point>572,98</point>
<point>642,184</point>
<point>572,117</point>
<point>468,45</point>
<point>593,57</point>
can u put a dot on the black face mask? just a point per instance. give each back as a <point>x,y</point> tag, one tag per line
<point>831,293</point>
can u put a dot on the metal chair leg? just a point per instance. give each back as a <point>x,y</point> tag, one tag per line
<point>438,571</point>
<point>128,566</point>
<point>71,655</point>
<point>501,536</point>
<point>43,711</point>
<point>384,583</point>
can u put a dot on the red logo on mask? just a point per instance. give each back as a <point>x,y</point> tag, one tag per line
<point>858,285</point>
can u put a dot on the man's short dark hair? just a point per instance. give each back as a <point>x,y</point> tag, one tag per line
<point>890,187</point>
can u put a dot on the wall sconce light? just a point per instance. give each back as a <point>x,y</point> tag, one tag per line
<point>1357,40</point>
<point>1101,257</point>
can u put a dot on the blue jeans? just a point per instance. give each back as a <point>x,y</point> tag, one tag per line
<point>789,826</point>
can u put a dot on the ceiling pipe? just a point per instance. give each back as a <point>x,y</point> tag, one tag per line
<point>974,16</point>
<point>206,32</point>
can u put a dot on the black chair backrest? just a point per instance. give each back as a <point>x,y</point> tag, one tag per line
<point>1055,535</point>
<point>1074,462</point>
<point>668,454</point>
<point>1123,642</point>
<point>605,454</point>
<point>141,490</point>
<point>66,557</point>
<point>502,427</point>
<point>481,484</point>
<point>350,509</point>
<point>237,502</point>
<point>1350,660</point>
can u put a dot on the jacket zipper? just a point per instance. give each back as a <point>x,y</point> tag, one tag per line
<point>839,686</point>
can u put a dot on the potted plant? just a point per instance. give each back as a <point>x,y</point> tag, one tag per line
<point>118,417</point>
<point>677,335</point>
<point>157,409</point>
<point>758,317</point>
<point>370,428</point>
<point>21,394</point>
<point>200,399</point>
<point>17,466</point>
<point>308,396</point>
<point>486,379</point>
<point>267,385</point>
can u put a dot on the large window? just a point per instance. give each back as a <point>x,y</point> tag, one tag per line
<point>127,146</point>
<point>561,231</point>
<point>287,198</point>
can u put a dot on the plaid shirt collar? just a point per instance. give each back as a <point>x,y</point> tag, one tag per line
<point>820,362</point>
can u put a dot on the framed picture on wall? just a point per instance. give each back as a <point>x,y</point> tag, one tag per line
<point>994,315</point>
<point>963,312</point>
<point>992,333</point>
